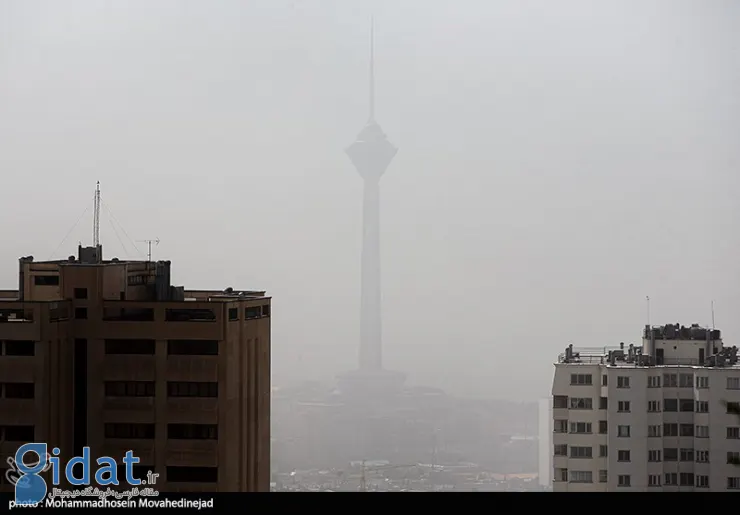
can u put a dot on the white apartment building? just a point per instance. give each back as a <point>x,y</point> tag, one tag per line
<point>659,417</point>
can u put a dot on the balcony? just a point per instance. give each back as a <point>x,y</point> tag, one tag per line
<point>202,410</point>
<point>129,367</point>
<point>192,368</point>
<point>117,448</point>
<point>128,405</point>
<point>192,453</point>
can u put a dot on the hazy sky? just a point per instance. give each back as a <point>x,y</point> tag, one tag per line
<point>558,161</point>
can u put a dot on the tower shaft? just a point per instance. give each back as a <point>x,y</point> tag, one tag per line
<point>96,216</point>
<point>370,317</point>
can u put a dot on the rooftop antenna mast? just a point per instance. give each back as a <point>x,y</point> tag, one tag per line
<point>149,247</point>
<point>372,69</point>
<point>96,216</point>
<point>713,326</point>
<point>647,299</point>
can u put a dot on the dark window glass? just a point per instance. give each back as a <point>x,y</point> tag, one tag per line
<point>192,347</point>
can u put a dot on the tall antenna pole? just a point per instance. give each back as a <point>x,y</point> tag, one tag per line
<point>713,326</point>
<point>372,68</point>
<point>149,247</point>
<point>96,217</point>
<point>647,299</point>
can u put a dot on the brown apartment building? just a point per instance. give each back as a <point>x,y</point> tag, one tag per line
<point>108,354</point>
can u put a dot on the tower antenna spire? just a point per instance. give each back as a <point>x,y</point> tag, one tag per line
<point>96,216</point>
<point>372,69</point>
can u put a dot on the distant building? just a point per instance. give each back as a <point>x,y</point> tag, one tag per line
<point>544,433</point>
<point>649,418</point>
<point>108,354</point>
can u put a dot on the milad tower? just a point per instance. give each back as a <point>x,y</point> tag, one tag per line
<point>371,154</point>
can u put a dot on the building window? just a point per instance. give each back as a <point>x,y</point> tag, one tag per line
<point>129,388</point>
<point>653,406</point>
<point>20,348</point>
<point>670,429</point>
<point>18,390</point>
<point>560,426</point>
<point>702,382</point>
<point>623,455</point>
<point>686,479</point>
<point>733,408</point>
<point>654,456</point>
<point>654,382</point>
<point>80,293</point>
<point>702,432</point>
<point>192,389</point>
<point>670,405</point>
<point>127,347</point>
<point>581,452</point>
<point>561,475</point>
<point>733,383</point>
<point>654,431</point>
<point>561,449</point>
<point>603,451</point>
<point>252,312</point>
<point>671,479</point>
<point>266,310</point>
<point>603,476</point>
<point>654,480</point>
<point>733,433</point>
<point>189,315</point>
<point>580,427</point>
<point>702,481</point>
<point>702,456</point>
<point>686,430</point>
<point>560,402</point>
<point>581,403</point>
<point>670,381</point>
<point>192,474</point>
<point>17,433</point>
<point>603,427</point>
<point>733,483</point>
<point>128,314</point>
<point>686,405</point>
<point>702,406</point>
<point>581,379</point>
<point>233,314</point>
<point>733,457</point>
<point>136,280</point>
<point>581,476</point>
<point>623,382</point>
<point>81,313</point>
<point>623,406</point>
<point>623,431</point>
<point>192,431</point>
<point>604,381</point>
<point>686,380</point>
<point>603,403</point>
<point>46,280</point>
<point>670,454</point>
<point>687,455</point>
<point>623,480</point>
<point>130,431</point>
<point>192,347</point>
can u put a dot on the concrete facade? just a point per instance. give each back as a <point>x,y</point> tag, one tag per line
<point>650,418</point>
<point>108,354</point>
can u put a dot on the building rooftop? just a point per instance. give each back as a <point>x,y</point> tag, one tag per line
<point>129,281</point>
<point>666,345</point>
